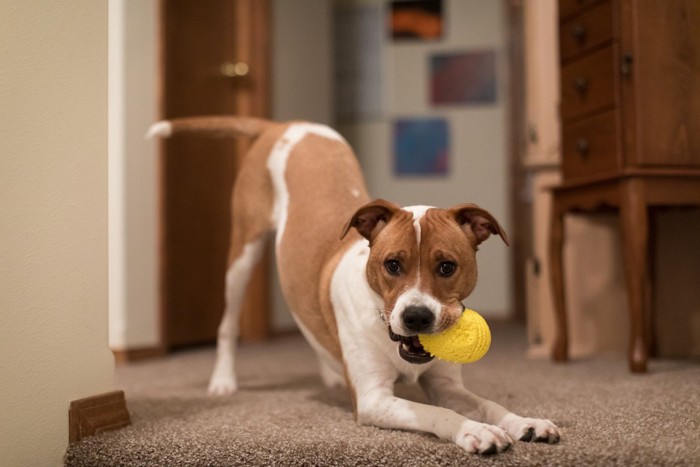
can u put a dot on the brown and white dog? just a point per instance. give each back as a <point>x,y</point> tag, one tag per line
<point>362,300</point>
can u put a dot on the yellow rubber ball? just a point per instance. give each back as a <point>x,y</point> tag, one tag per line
<point>465,342</point>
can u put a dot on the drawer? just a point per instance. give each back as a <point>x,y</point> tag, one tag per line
<point>582,33</point>
<point>570,7</point>
<point>591,146</point>
<point>587,84</point>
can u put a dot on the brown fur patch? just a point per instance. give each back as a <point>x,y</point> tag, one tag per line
<point>325,187</point>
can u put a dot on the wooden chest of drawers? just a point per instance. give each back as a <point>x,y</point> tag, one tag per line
<point>630,87</point>
<point>630,114</point>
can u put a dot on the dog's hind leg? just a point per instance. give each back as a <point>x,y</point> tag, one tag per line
<point>251,205</point>
<point>251,223</point>
<point>223,379</point>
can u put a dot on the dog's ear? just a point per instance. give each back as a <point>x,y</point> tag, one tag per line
<point>371,218</point>
<point>479,221</point>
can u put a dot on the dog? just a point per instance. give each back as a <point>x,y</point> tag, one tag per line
<point>361,277</point>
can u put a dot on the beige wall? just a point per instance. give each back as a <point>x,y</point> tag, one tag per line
<point>53,233</point>
<point>676,292</point>
<point>302,80</point>
<point>302,87</point>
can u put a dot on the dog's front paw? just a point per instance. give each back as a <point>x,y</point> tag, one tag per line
<point>481,438</point>
<point>222,385</point>
<point>531,429</point>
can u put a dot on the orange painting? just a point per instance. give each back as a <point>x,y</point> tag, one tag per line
<point>416,19</point>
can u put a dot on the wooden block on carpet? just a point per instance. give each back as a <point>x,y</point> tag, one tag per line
<point>96,414</point>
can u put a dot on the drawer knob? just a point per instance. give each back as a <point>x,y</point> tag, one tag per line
<point>582,147</point>
<point>581,85</point>
<point>579,33</point>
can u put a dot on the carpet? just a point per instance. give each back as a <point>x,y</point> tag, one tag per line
<point>283,415</point>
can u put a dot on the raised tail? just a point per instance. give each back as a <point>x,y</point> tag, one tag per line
<point>214,126</point>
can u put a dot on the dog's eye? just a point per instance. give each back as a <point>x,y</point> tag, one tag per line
<point>447,268</point>
<point>393,267</point>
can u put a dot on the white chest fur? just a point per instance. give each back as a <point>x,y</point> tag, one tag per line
<point>358,311</point>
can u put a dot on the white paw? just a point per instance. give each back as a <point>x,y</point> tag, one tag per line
<point>481,438</point>
<point>222,386</point>
<point>531,429</point>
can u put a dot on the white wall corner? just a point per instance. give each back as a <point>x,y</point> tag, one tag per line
<point>133,216</point>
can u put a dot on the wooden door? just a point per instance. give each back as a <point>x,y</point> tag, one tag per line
<point>201,41</point>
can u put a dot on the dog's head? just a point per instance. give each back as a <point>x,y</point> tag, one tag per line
<point>422,263</point>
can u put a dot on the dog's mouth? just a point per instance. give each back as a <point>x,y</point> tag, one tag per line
<point>410,348</point>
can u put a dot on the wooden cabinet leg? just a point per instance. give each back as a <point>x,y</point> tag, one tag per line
<point>560,350</point>
<point>634,218</point>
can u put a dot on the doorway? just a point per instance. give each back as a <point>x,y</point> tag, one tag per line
<point>214,60</point>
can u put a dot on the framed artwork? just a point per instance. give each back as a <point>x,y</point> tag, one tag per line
<point>463,78</point>
<point>421,147</point>
<point>415,19</point>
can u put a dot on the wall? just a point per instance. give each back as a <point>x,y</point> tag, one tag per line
<point>595,284</point>
<point>53,234</point>
<point>133,181</point>
<point>479,136</point>
<point>676,292</point>
<point>302,87</point>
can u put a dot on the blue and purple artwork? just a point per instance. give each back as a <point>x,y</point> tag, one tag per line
<point>463,78</point>
<point>421,147</point>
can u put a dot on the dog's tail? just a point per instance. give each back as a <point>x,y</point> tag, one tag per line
<point>215,126</point>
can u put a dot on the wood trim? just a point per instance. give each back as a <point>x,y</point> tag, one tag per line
<point>631,172</point>
<point>521,213</point>
<point>97,414</point>
<point>253,46</point>
<point>124,356</point>
<point>160,174</point>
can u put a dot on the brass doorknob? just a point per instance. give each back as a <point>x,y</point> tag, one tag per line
<point>235,70</point>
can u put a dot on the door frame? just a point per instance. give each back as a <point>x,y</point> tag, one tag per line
<point>252,46</point>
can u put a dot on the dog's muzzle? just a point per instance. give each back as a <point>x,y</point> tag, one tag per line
<point>410,349</point>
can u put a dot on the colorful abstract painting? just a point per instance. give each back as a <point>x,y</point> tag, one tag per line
<point>463,78</point>
<point>421,147</point>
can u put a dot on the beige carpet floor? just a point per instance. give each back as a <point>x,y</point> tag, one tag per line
<point>283,415</point>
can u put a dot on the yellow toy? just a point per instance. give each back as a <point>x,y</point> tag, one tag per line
<point>465,342</point>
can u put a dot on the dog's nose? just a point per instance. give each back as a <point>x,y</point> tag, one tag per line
<point>417,318</point>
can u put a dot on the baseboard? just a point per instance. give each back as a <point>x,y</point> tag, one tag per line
<point>97,414</point>
<point>134,355</point>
